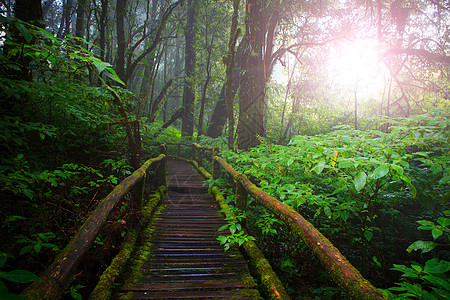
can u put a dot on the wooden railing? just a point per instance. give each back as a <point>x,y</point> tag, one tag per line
<point>56,278</point>
<point>349,280</point>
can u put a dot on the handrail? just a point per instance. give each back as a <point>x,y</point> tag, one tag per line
<point>59,274</point>
<point>349,280</point>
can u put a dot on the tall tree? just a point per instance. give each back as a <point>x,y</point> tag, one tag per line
<point>121,42</point>
<point>252,84</point>
<point>229,63</point>
<point>190,61</point>
<point>80,25</point>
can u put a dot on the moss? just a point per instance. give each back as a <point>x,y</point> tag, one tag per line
<point>109,277</point>
<point>104,287</point>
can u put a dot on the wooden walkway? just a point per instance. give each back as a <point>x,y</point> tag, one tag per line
<point>185,258</point>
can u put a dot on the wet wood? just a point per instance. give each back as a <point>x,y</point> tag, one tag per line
<point>186,261</point>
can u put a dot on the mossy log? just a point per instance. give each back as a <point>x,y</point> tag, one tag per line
<point>58,275</point>
<point>347,277</point>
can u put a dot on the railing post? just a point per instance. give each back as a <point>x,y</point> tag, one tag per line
<point>194,152</point>
<point>179,150</point>
<point>241,197</point>
<point>138,192</point>
<point>216,168</point>
<point>161,173</point>
<point>200,157</point>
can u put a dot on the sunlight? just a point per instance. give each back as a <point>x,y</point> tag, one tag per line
<point>357,63</point>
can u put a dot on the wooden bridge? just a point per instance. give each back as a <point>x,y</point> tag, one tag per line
<point>176,254</point>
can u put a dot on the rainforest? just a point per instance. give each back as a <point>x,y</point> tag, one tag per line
<point>339,110</point>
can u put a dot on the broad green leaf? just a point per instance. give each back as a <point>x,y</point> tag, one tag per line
<point>412,189</point>
<point>368,235</point>
<point>345,163</point>
<point>381,171</point>
<point>223,227</point>
<point>437,281</point>
<point>436,233</point>
<point>435,266</point>
<point>444,221</point>
<point>345,215</point>
<point>397,169</point>
<point>424,246</point>
<point>21,276</point>
<point>327,211</point>
<point>319,167</point>
<point>360,180</point>
<point>24,31</point>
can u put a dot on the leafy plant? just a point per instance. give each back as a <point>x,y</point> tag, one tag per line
<point>18,276</point>
<point>37,242</point>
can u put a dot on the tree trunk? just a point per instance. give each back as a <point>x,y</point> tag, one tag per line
<point>252,84</point>
<point>190,58</point>
<point>219,116</point>
<point>121,43</point>
<point>102,28</point>
<point>28,11</point>
<point>229,64</point>
<point>80,24</point>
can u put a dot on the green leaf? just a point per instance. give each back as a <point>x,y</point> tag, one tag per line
<point>380,172</point>
<point>424,246</point>
<point>319,167</point>
<point>436,233</point>
<point>444,221</point>
<point>3,258</point>
<point>21,276</point>
<point>368,235</point>
<point>24,31</point>
<point>397,169</point>
<point>223,227</point>
<point>3,288</point>
<point>360,180</point>
<point>327,211</point>
<point>412,189</point>
<point>345,215</point>
<point>437,281</point>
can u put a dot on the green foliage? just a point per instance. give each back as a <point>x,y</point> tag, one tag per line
<point>360,187</point>
<point>237,235</point>
<point>18,276</point>
<point>36,242</point>
<point>429,281</point>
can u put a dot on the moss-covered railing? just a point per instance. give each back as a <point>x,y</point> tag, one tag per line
<point>349,280</point>
<point>57,277</point>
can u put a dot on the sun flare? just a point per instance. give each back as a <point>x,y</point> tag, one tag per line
<point>357,64</point>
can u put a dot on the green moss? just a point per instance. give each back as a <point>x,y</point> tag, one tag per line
<point>109,277</point>
<point>104,287</point>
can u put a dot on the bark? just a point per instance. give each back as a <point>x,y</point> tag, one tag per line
<point>102,28</point>
<point>190,61</point>
<point>229,63</point>
<point>429,56</point>
<point>177,115</point>
<point>157,103</point>
<point>28,11</point>
<point>121,42</point>
<point>252,84</point>
<point>156,41</point>
<point>80,25</point>
<point>219,116</point>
